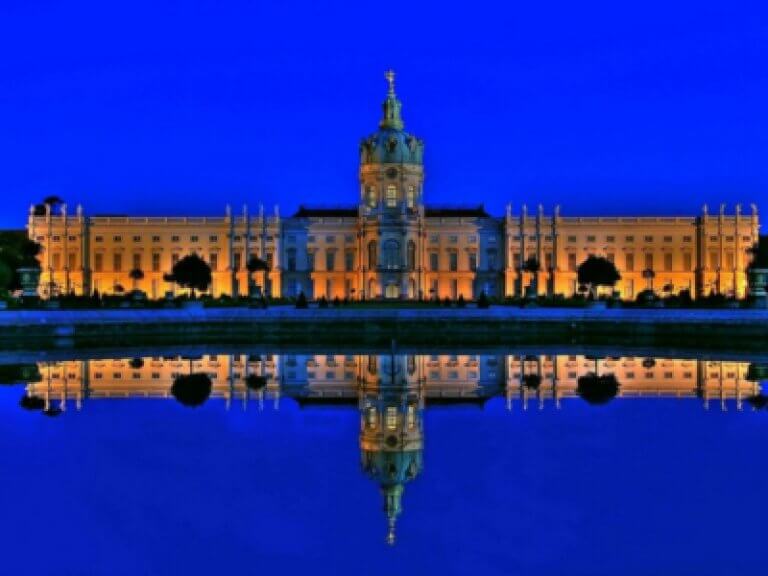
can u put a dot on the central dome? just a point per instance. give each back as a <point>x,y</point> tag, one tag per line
<point>391,144</point>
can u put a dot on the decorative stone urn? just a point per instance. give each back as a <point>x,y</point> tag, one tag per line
<point>30,280</point>
<point>758,279</point>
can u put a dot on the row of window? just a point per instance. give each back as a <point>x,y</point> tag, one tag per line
<point>175,238</point>
<point>137,261</point>
<point>667,239</point>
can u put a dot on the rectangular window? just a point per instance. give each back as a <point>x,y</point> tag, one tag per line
<point>411,196</point>
<point>730,262</point>
<point>572,239</point>
<point>572,262</point>
<point>453,239</point>
<point>590,238</point>
<point>472,239</point>
<point>72,238</point>
<point>610,238</point>
<point>667,238</point>
<point>516,262</point>
<point>629,238</point>
<point>648,238</point>
<point>98,262</point>
<point>687,239</point>
<point>99,239</point>
<point>434,238</point>
<point>391,196</point>
<point>668,262</point>
<point>193,239</point>
<point>213,261</point>
<point>453,261</point>
<point>72,262</point>
<point>238,261</point>
<point>473,261</point>
<point>56,263</point>
<point>174,238</point>
<point>310,261</point>
<point>548,263</point>
<point>433,261</point>
<point>349,261</point>
<point>156,262</point>
<point>270,260</point>
<point>610,257</point>
<point>117,262</point>
<point>629,262</point>
<point>330,239</point>
<point>155,238</point>
<point>137,262</point>
<point>330,260</point>
<point>649,261</point>
<point>291,254</point>
<point>174,260</point>
<point>714,260</point>
<point>687,261</point>
<point>213,239</point>
<point>117,238</point>
<point>492,260</point>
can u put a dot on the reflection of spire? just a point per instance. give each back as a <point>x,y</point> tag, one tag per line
<point>393,508</point>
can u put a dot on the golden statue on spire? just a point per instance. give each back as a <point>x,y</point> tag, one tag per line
<point>390,76</point>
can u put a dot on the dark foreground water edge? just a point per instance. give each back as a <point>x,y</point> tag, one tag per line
<point>578,461</point>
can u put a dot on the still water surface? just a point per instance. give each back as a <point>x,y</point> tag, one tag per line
<point>391,463</point>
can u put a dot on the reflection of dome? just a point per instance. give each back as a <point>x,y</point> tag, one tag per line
<point>391,144</point>
<point>392,470</point>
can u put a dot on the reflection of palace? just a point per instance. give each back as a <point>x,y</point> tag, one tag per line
<point>392,390</point>
<point>391,244</point>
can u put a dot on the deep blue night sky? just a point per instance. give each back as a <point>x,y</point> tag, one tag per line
<point>651,107</point>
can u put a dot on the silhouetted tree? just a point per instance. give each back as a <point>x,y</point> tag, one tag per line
<point>136,363</point>
<point>256,264</point>
<point>532,266</point>
<point>191,272</point>
<point>758,401</point>
<point>136,274</point>
<point>461,303</point>
<point>597,271</point>
<point>301,300</point>
<point>482,300</point>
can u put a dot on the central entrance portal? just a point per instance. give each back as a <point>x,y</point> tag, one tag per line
<point>392,291</point>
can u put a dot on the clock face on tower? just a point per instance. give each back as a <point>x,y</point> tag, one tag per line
<point>392,173</point>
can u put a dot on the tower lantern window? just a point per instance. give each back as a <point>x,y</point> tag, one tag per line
<point>391,196</point>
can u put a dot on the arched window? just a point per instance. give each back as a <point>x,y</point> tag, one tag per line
<point>370,196</point>
<point>411,255</point>
<point>391,254</point>
<point>411,196</point>
<point>391,196</point>
<point>372,262</point>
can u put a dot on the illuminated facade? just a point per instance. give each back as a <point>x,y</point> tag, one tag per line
<point>393,245</point>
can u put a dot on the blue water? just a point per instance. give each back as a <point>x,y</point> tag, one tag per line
<point>646,485</point>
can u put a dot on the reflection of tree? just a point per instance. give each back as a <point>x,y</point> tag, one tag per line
<point>758,401</point>
<point>19,373</point>
<point>596,389</point>
<point>532,381</point>
<point>136,363</point>
<point>192,389</point>
<point>255,382</point>
<point>32,402</point>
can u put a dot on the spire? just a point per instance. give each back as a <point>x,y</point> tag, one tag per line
<point>392,506</point>
<point>391,106</point>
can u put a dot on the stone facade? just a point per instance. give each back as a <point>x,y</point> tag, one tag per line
<point>393,245</point>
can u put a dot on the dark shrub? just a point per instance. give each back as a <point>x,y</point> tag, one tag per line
<point>301,301</point>
<point>255,382</point>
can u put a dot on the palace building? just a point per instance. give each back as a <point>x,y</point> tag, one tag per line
<point>393,245</point>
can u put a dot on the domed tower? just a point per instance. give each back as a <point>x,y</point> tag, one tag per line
<point>391,437</point>
<point>391,207</point>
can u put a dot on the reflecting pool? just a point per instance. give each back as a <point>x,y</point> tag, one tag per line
<point>380,462</point>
